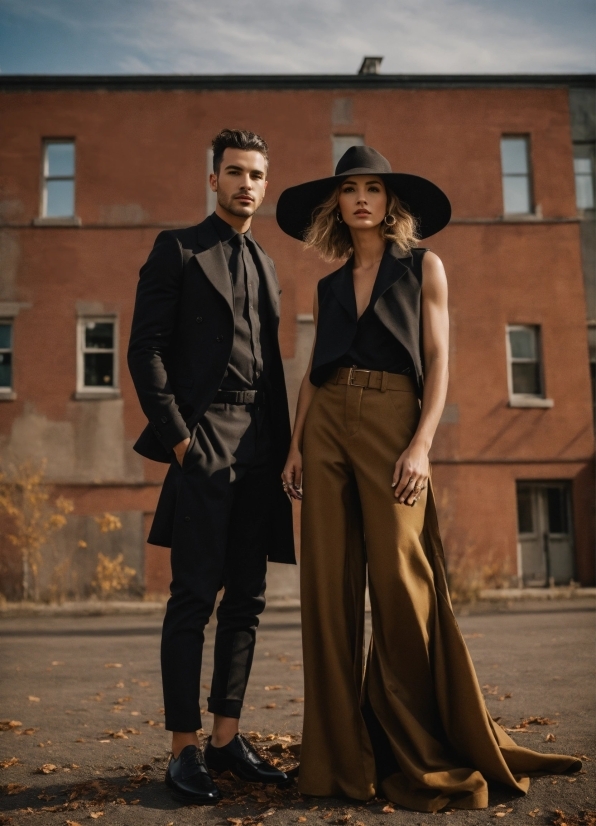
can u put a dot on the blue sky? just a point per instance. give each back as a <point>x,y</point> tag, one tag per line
<point>295,36</point>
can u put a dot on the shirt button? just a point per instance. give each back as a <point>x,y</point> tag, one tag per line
<point>199,319</point>
<point>219,339</point>
<point>187,518</point>
<point>164,419</point>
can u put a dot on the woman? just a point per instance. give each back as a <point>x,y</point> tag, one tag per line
<point>414,728</point>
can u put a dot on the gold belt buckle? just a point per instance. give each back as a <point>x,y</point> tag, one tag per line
<point>353,383</point>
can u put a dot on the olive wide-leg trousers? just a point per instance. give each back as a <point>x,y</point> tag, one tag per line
<point>420,695</point>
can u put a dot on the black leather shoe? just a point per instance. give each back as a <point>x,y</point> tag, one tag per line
<point>241,759</point>
<point>188,779</point>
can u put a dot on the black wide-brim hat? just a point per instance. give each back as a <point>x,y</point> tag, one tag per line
<point>424,200</point>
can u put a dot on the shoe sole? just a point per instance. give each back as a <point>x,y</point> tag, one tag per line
<point>279,784</point>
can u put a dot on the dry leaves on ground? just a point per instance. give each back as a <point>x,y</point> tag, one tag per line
<point>47,768</point>
<point>585,818</point>
<point>6,725</point>
<point>522,726</point>
<point>4,764</point>
<point>13,788</point>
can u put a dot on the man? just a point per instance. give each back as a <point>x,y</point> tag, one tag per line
<point>205,360</point>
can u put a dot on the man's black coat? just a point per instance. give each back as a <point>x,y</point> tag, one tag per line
<point>180,346</point>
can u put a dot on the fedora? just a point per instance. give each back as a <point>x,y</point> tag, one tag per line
<point>424,200</point>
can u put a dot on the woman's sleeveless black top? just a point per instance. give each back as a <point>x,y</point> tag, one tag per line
<point>387,336</point>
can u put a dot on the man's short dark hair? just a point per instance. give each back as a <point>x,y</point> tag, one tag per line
<point>237,139</point>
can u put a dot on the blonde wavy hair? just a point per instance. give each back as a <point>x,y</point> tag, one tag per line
<point>331,238</point>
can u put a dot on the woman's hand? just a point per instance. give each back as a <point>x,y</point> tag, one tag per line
<point>292,474</point>
<point>410,476</point>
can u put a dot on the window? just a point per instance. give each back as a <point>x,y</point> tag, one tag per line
<point>525,367</point>
<point>584,182</point>
<point>210,196</point>
<point>5,357</point>
<point>97,363</point>
<point>58,179</point>
<point>341,144</point>
<point>515,164</point>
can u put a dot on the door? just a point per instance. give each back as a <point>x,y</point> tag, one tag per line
<point>544,533</point>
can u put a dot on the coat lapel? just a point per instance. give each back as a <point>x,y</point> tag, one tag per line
<point>213,262</point>
<point>393,269</point>
<point>343,288</point>
<point>267,268</point>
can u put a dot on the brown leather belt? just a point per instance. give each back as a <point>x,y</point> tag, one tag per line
<point>373,379</point>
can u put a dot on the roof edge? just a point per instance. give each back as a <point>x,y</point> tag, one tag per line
<point>41,83</point>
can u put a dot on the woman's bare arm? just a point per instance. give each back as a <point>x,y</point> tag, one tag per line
<point>412,467</point>
<point>292,472</point>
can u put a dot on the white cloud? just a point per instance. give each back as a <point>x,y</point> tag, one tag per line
<point>331,36</point>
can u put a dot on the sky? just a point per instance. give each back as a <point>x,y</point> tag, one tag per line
<point>296,36</point>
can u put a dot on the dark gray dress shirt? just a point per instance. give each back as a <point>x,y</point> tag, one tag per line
<point>251,350</point>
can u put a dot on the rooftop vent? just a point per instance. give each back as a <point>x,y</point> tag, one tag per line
<point>371,66</point>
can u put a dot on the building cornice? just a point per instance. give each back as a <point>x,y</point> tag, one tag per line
<point>200,83</point>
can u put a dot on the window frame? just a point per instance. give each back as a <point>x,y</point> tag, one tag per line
<point>589,175</point>
<point>528,175</point>
<point>210,195</point>
<point>526,399</point>
<point>43,217</point>
<point>84,391</point>
<point>8,393</point>
<point>340,136</point>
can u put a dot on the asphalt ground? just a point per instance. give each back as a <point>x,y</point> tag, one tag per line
<point>90,744</point>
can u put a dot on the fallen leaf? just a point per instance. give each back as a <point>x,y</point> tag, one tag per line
<point>28,731</point>
<point>301,820</point>
<point>72,823</point>
<point>273,687</point>
<point>344,818</point>
<point>113,665</point>
<point>4,764</point>
<point>33,699</point>
<point>388,809</point>
<point>534,812</point>
<point>47,768</point>
<point>13,788</point>
<point>95,815</point>
<point>297,699</point>
<point>550,738</point>
<point>270,705</point>
<point>6,725</point>
<point>131,730</point>
<point>80,740</point>
<point>135,802</point>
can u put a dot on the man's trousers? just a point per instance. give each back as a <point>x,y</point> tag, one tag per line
<point>222,493</point>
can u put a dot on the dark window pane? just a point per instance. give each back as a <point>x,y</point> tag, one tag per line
<point>99,334</point>
<point>525,517</point>
<point>59,199</point>
<point>514,156</point>
<point>99,370</point>
<point>60,159</point>
<point>557,510</point>
<point>526,378</point>
<point>523,343</point>
<point>5,336</point>
<point>5,369</point>
<point>516,195</point>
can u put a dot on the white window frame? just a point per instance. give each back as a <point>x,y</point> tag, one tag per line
<point>82,390</point>
<point>527,175</point>
<point>526,399</point>
<point>210,195</point>
<point>346,142</point>
<point>8,392</point>
<point>45,177</point>
<point>589,175</point>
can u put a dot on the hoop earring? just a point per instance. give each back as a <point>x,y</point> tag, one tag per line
<point>390,223</point>
<point>340,220</point>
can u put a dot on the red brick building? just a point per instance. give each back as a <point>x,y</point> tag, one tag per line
<point>91,169</point>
